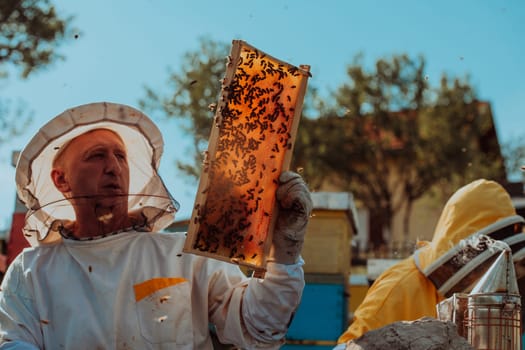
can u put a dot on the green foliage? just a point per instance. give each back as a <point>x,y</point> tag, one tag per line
<point>14,119</point>
<point>307,146</point>
<point>194,89</point>
<point>389,138</point>
<point>514,151</point>
<point>30,31</point>
<point>385,135</point>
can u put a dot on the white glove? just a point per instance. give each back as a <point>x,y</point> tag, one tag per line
<point>295,208</point>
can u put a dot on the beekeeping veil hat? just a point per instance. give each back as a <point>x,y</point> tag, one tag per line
<point>148,199</point>
<point>476,224</point>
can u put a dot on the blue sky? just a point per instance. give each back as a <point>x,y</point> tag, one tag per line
<point>124,45</point>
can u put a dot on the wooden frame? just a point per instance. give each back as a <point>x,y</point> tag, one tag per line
<point>251,143</point>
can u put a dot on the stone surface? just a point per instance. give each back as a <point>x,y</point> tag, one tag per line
<point>423,334</point>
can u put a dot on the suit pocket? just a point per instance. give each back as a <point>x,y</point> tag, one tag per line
<point>164,311</point>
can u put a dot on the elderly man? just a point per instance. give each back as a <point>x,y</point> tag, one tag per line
<point>99,276</point>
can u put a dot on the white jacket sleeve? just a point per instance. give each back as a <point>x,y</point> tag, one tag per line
<point>19,328</point>
<point>258,312</point>
<point>17,345</point>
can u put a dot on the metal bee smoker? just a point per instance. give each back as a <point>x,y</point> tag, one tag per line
<point>493,317</point>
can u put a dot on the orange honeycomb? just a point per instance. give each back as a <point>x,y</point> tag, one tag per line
<point>250,145</point>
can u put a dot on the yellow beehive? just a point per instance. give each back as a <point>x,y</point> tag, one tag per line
<point>327,245</point>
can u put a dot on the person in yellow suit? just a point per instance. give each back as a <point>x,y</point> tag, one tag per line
<point>477,216</point>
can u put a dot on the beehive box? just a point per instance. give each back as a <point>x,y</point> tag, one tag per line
<point>250,144</point>
<point>326,248</point>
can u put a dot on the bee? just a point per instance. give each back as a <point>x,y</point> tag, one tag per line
<point>164,298</point>
<point>161,319</point>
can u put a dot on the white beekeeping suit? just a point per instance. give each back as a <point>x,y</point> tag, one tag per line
<point>133,288</point>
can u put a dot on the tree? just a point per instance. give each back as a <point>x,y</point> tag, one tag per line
<point>196,87</point>
<point>193,91</point>
<point>14,118</point>
<point>389,138</point>
<point>30,32</point>
<point>308,144</point>
<point>514,151</point>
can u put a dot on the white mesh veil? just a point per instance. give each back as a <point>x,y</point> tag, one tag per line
<point>148,196</point>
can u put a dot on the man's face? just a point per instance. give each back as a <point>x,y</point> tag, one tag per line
<point>94,165</point>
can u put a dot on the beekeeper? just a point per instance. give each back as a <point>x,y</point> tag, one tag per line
<point>100,276</point>
<point>476,224</point>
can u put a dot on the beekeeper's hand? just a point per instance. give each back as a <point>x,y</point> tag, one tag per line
<point>295,207</point>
